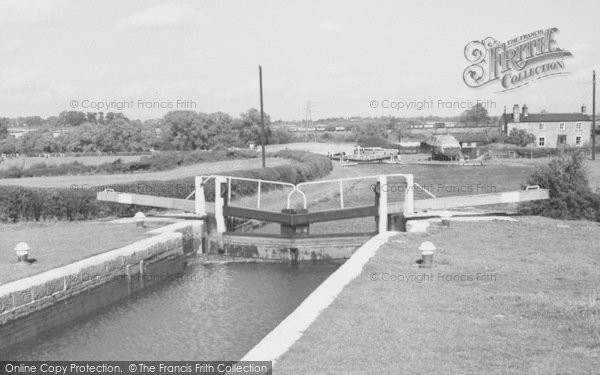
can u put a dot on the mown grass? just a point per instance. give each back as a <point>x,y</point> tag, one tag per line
<point>27,162</point>
<point>57,244</point>
<point>538,314</point>
<point>98,180</point>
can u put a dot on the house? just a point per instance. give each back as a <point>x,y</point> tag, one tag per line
<point>471,140</point>
<point>550,129</point>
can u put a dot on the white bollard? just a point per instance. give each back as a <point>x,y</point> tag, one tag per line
<point>427,249</point>
<point>139,219</point>
<point>22,251</point>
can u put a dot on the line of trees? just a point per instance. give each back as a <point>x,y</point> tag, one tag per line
<point>113,132</point>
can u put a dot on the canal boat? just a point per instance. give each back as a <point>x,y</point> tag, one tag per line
<point>371,154</point>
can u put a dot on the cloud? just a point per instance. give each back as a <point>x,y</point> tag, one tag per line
<point>29,11</point>
<point>169,15</point>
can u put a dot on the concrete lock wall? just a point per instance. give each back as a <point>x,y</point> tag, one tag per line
<point>62,295</point>
<point>297,248</point>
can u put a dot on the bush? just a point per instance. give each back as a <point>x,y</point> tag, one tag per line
<point>527,152</point>
<point>19,203</point>
<point>569,191</point>
<point>520,137</point>
<point>373,141</point>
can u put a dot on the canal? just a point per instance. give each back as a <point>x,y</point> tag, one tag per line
<point>210,312</point>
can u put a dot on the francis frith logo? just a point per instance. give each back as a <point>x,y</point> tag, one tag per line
<point>514,63</point>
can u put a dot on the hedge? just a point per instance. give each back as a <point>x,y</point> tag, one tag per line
<point>537,152</point>
<point>19,203</point>
<point>157,162</point>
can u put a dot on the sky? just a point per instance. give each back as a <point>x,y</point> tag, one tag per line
<point>348,58</point>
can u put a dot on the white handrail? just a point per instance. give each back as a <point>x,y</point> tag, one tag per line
<point>341,180</point>
<point>297,188</point>
<point>259,181</point>
<point>425,190</point>
<point>203,182</point>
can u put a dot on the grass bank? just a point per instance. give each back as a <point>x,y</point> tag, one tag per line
<point>57,244</point>
<point>504,298</point>
<point>80,182</point>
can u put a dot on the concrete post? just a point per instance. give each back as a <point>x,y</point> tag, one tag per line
<point>409,207</point>
<point>199,199</point>
<point>219,203</point>
<point>383,207</point>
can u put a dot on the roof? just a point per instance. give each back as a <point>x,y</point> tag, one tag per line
<point>408,144</point>
<point>442,140</point>
<point>471,137</point>
<point>548,117</point>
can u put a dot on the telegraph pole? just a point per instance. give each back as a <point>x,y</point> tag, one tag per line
<point>262,119</point>
<point>594,116</point>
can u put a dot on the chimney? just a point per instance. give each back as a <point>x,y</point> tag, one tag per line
<point>583,108</point>
<point>525,110</point>
<point>516,113</point>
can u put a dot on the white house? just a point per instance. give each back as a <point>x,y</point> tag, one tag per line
<point>551,129</point>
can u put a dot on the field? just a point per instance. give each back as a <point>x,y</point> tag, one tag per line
<point>26,162</point>
<point>97,180</point>
<point>57,244</point>
<point>503,298</point>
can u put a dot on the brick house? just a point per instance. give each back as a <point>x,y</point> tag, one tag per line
<point>550,129</point>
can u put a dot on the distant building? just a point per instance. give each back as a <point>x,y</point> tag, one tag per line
<point>550,129</point>
<point>471,140</point>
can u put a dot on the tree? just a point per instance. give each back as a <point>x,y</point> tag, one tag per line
<point>477,114</point>
<point>38,141</point>
<point>32,121</point>
<point>249,127</point>
<point>72,118</point>
<point>8,146</point>
<point>52,121</point>
<point>183,130</point>
<point>4,127</point>
<point>91,117</point>
<point>520,137</point>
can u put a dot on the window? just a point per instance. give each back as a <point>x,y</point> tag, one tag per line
<point>542,141</point>
<point>578,126</point>
<point>542,126</point>
<point>578,140</point>
<point>561,126</point>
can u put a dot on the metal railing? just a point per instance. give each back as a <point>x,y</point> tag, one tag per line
<point>382,179</point>
<point>260,183</point>
<point>424,190</point>
<point>340,181</point>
